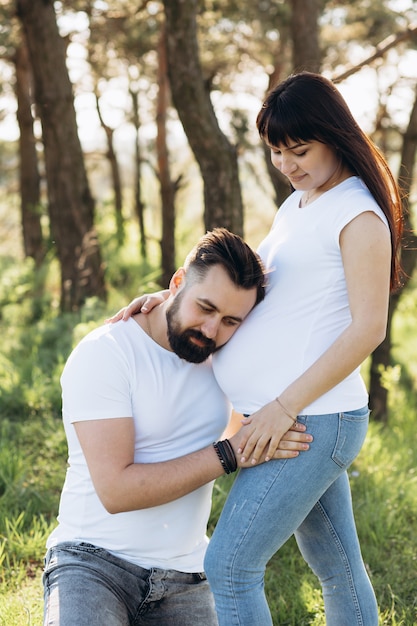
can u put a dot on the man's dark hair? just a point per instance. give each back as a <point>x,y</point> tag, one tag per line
<point>221,247</point>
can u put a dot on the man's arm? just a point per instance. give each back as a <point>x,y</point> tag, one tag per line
<point>123,485</point>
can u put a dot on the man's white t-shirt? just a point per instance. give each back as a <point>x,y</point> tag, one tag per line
<point>178,408</point>
<point>306,305</point>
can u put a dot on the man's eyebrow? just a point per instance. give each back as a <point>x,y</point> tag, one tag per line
<point>211,305</point>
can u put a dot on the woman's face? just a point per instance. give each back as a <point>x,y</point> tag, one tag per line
<point>307,165</point>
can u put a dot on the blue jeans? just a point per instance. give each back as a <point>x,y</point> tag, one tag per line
<point>87,586</point>
<point>308,496</point>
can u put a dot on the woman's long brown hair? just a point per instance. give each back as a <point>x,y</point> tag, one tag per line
<point>308,107</point>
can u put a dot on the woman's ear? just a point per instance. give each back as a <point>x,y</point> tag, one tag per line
<point>177,280</point>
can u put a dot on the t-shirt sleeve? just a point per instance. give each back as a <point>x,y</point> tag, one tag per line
<point>95,382</point>
<point>355,203</point>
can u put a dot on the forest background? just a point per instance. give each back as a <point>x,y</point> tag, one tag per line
<point>126,130</point>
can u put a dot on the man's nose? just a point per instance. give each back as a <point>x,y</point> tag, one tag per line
<point>210,327</point>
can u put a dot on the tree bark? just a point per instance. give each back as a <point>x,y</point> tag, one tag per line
<point>306,55</point>
<point>215,155</point>
<point>33,243</point>
<point>139,206</point>
<point>305,35</point>
<point>280,184</point>
<point>115,173</point>
<point>168,187</point>
<point>70,204</point>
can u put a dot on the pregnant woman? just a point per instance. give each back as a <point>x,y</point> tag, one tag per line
<point>332,258</point>
<point>332,254</point>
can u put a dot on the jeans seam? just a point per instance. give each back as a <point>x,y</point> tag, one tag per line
<point>345,561</point>
<point>237,547</point>
<point>143,607</point>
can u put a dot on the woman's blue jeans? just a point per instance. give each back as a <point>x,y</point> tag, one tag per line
<point>308,496</point>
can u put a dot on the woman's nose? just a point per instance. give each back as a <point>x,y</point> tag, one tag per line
<point>288,165</point>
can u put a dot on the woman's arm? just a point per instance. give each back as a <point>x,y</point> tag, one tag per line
<point>141,304</point>
<point>366,254</point>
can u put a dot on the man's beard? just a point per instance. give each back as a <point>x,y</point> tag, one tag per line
<point>181,340</point>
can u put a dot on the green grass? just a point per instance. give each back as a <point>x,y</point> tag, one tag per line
<point>36,341</point>
<point>384,486</point>
<point>23,606</point>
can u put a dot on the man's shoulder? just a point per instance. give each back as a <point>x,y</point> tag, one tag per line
<point>102,342</point>
<point>111,333</point>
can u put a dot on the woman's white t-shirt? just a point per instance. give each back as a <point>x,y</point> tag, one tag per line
<point>306,305</point>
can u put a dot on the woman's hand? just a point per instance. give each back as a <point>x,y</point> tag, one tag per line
<point>141,304</point>
<point>292,442</point>
<point>263,433</point>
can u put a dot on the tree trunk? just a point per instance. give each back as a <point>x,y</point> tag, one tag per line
<point>168,187</point>
<point>71,206</point>
<point>381,357</point>
<point>115,174</point>
<point>306,55</point>
<point>139,206</point>
<point>33,243</point>
<point>216,157</point>
<point>305,35</point>
<point>280,184</point>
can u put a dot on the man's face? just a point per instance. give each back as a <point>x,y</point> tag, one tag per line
<point>205,313</point>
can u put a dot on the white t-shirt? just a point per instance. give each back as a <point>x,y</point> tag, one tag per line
<point>178,408</point>
<point>305,309</point>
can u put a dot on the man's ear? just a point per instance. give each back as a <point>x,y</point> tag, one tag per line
<point>177,280</point>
